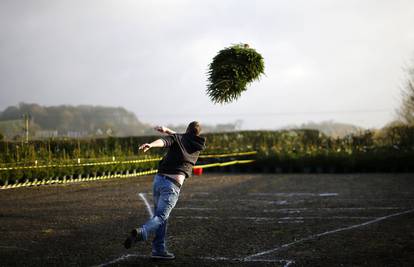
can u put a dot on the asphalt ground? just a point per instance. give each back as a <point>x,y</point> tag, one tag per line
<point>219,220</point>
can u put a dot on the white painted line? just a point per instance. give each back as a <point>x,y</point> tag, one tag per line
<point>149,209</point>
<point>295,210</point>
<point>188,198</point>
<point>249,201</point>
<point>293,221</point>
<point>291,211</point>
<point>280,194</point>
<point>377,199</point>
<point>295,194</point>
<point>328,194</point>
<point>251,218</point>
<point>311,237</point>
<point>255,219</point>
<point>299,210</point>
<point>194,208</point>
<point>363,208</point>
<point>119,259</point>
<point>327,218</point>
<point>218,258</point>
<point>288,218</point>
<point>198,217</point>
<point>204,200</point>
<point>286,262</point>
<point>291,201</point>
<point>267,202</point>
<point>127,256</point>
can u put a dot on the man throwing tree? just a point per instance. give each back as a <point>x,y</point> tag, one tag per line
<point>175,166</point>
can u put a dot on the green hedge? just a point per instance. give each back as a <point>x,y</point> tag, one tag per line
<point>73,172</point>
<point>388,150</point>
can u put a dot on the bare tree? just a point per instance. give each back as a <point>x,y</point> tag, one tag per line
<point>406,110</point>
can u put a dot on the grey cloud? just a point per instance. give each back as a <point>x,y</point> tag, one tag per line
<point>151,56</point>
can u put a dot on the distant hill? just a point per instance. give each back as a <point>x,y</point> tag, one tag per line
<point>330,128</point>
<point>72,121</point>
<point>210,128</point>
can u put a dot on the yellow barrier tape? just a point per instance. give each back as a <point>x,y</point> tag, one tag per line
<point>54,181</point>
<point>152,171</point>
<point>228,154</point>
<point>223,164</point>
<point>121,162</point>
<point>81,164</point>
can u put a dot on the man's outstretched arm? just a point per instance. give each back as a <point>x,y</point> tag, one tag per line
<point>156,143</point>
<point>163,129</point>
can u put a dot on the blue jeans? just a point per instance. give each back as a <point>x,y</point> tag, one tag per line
<point>165,194</point>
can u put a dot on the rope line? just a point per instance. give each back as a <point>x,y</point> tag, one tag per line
<point>223,164</point>
<point>80,164</point>
<point>228,155</point>
<point>85,179</point>
<point>104,177</point>
<point>120,162</point>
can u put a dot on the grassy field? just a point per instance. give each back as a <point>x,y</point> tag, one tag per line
<point>220,220</point>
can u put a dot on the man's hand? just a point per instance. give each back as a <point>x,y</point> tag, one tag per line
<point>145,147</point>
<point>163,129</point>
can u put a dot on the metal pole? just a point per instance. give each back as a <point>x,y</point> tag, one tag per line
<point>27,128</point>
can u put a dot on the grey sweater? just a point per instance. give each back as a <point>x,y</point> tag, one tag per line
<point>183,152</point>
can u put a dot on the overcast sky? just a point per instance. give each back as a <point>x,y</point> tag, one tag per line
<point>324,60</point>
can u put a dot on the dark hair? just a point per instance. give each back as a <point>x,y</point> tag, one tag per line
<point>194,128</point>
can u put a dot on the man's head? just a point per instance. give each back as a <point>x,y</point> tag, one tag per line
<point>194,128</point>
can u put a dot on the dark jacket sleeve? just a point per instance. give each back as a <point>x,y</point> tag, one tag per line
<point>168,140</point>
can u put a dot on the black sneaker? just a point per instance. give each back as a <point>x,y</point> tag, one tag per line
<point>135,236</point>
<point>162,256</point>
